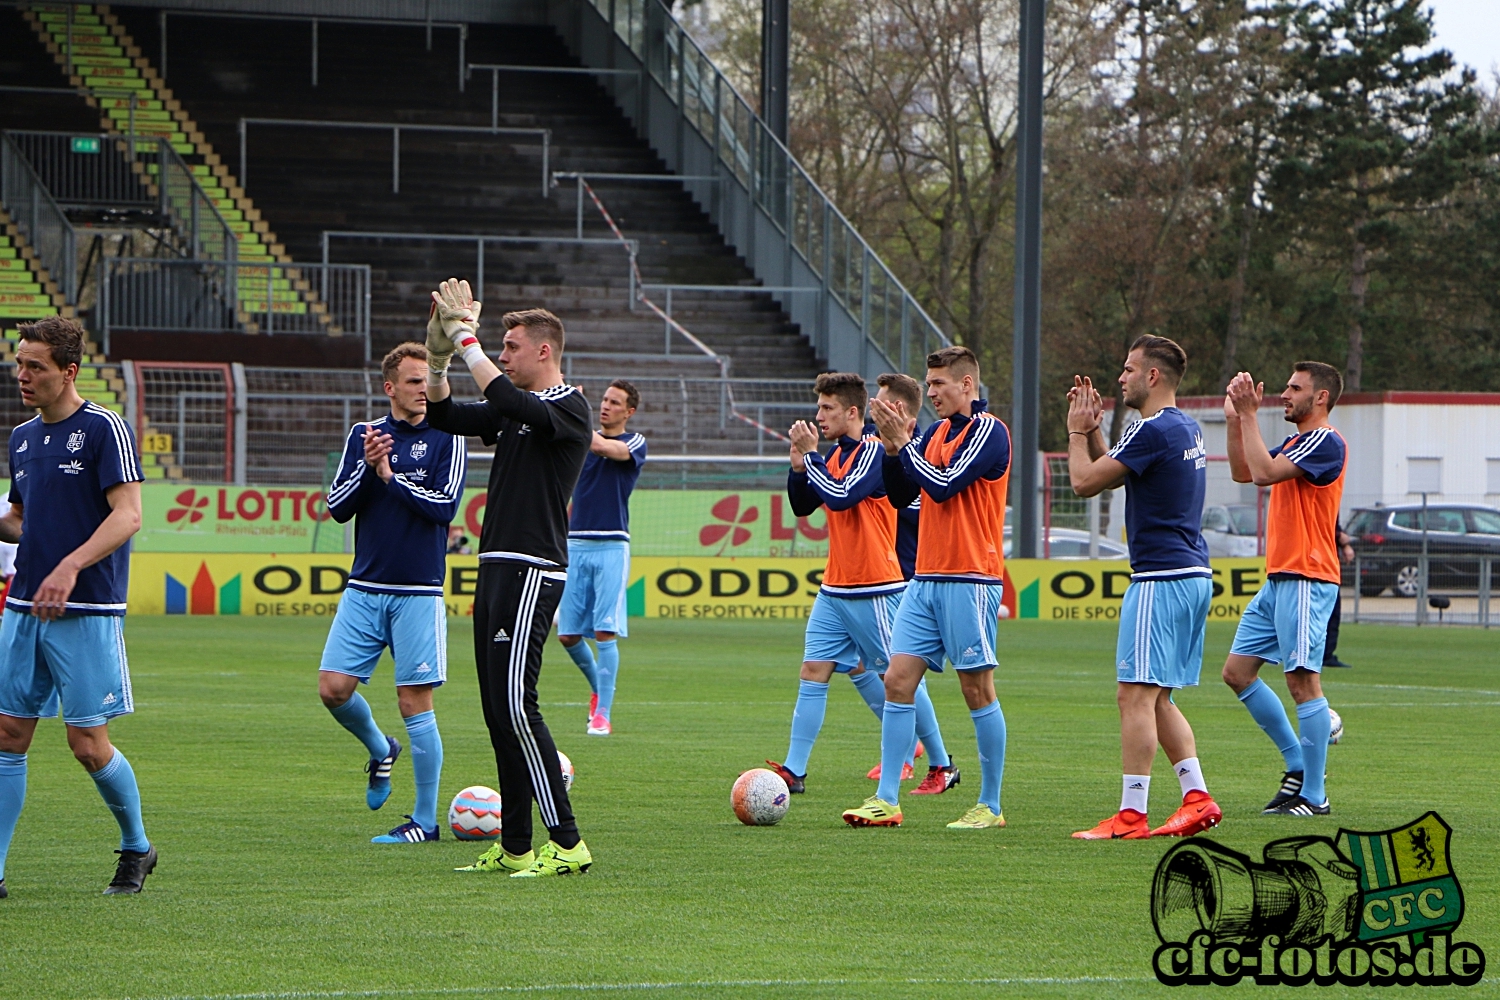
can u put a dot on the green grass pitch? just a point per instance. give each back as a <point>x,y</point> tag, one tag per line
<point>268,886</point>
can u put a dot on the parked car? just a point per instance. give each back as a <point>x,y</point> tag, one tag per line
<point>1070,543</point>
<point>1230,530</point>
<point>1388,544</point>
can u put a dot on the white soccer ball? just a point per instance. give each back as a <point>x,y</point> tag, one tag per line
<point>760,797</point>
<point>1335,726</point>
<point>475,814</point>
<point>567,770</point>
<point>1004,611</point>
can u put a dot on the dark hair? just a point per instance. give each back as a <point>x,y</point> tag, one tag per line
<point>632,394</point>
<point>960,359</point>
<point>904,388</point>
<point>848,387</point>
<point>1323,377</point>
<point>64,336</point>
<point>1166,356</point>
<point>392,361</point>
<point>540,324</point>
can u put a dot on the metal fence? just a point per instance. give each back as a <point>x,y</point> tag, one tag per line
<point>96,172</point>
<point>207,296</point>
<point>195,405</point>
<point>39,217</point>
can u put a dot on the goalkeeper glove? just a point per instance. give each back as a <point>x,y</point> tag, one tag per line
<point>459,314</point>
<point>439,346</point>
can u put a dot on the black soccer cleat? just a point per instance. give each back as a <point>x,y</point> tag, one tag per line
<point>131,872</point>
<point>796,784</point>
<point>1298,806</point>
<point>1291,787</point>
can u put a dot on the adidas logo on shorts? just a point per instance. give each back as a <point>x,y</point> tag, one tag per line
<point>109,699</point>
<point>502,636</point>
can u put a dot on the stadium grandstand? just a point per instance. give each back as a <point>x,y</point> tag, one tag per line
<point>248,203</point>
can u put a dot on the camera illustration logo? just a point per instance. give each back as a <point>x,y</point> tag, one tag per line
<point>1368,908</point>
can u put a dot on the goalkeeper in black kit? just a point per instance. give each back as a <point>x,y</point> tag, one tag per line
<point>540,428</point>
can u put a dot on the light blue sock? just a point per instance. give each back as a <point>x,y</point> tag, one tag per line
<point>609,673</point>
<point>989,732</point>
<point>871,687</point>
<point>927,728</point>
<point>117,787</point>
<point>355,716</point>
<point>12,797</point>
<point>1314,722</point>
<point>898,729</point>
<point>1267,711</point>
<point>426,766</point>
<point>584,657</point>
<point>807,719</point>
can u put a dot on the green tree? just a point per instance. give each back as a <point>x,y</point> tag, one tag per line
<point>1377,128</point>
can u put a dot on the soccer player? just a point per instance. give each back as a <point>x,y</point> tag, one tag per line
<point>401,480</point>
<point>961,467</point>
<point>75,502</point>
<point>850,626</point>
<point>599,550</point>
<point>540,428</point>
<point>1286,621</point>
<point>1162,463</point>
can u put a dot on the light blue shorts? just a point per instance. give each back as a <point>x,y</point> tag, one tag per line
<point>80,658</point>
<point>594,599</point>
<point>1286,622</point>
<point>851,630</point>
<point>414,626</point>
<point>952,618</point>
<point>1162,625</point>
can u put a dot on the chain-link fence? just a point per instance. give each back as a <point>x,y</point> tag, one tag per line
<point>185,413</point>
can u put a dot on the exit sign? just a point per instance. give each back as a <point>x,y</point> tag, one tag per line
<point>86,144</point>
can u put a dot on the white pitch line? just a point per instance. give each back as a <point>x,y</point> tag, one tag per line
<point>700,984</point>
<point>1424,687</point>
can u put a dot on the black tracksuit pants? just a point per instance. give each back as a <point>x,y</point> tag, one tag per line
<point>513,608</point>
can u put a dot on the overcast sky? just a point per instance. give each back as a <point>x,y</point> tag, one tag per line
<point>1470,29</point>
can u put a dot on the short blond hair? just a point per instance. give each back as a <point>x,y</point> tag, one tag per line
<point>391,363</point>
<point>540,324</point>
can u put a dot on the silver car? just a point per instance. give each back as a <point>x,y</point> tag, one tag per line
<point>1070,543</point>
<point>1230,530</point>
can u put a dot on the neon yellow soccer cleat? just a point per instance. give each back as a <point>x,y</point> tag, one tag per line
<point>874,812</point>
<point>553,860</point>
<point>496,860</point>
<point>981,817</point>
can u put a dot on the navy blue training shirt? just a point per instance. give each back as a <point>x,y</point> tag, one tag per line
<point>1319,454</point>
<point>601,499</point>
<point>59,475</point>
<point>1164,495</point>
<point>401,534</point>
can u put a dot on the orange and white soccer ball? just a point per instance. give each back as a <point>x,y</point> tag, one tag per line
<point>760,797</point>
<point>567,770</point>
<point>475,814</point>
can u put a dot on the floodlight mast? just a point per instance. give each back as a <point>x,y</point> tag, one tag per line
<point>1026,407</point>
<point>775,66</point>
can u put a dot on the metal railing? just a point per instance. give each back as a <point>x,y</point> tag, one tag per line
<point>209,296</point>
<point>1424,589</point>
<point>583,177</point>
<point>773,211</point>
<point>396,128</point>
<point>39,217</point>
<point>495,69</point>
<point>632,247</point>
<point>95,171</point>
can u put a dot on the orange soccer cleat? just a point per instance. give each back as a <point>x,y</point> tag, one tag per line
<point>906,772</point>
<point>1197,813</point>
<point>1127,824</point>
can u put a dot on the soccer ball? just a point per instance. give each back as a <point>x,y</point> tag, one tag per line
<point>567,770</point>
<point>1335,726</point>
<point>760,797</point>
<point>475,814</point>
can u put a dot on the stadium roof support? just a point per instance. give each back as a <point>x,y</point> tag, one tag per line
<point>775,66</point>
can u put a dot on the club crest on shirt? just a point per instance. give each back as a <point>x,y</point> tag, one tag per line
<point>418,450</point>
<point>75,441</point>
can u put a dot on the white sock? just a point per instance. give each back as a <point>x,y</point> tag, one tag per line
<point>1190,775</point>
<point>1137,788</point>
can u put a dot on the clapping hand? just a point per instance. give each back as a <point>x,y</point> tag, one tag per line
<point>1085,406</point>
<point>804,438</point>
<point>1242,398</point>
<point>895,426</point>
<point>378,448</point>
